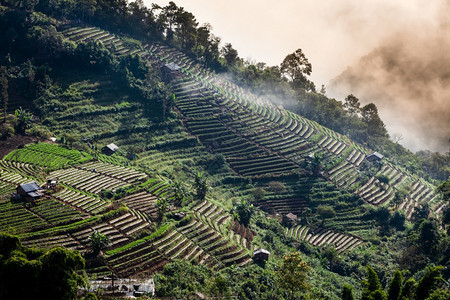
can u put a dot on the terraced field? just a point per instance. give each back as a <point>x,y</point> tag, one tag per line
<point>89,181</point>
<point>47,155</point>
<point>70,215</point>
<point>119,230</point>
<point>325,237</point>
<point>83,202</point>
<point>259,139</point>
<point>260,142</point>
<point>15,218</point>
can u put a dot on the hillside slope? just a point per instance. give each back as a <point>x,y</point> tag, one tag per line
<point>259,139</point>
<point>184,130</point>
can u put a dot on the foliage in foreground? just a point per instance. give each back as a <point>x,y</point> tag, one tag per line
<point>25,272</point>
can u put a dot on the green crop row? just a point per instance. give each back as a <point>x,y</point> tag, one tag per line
<point>161,231</point>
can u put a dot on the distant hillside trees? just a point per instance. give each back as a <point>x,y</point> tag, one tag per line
<point>293,274</point>
<point>230,54</point>
<point>430,286</point>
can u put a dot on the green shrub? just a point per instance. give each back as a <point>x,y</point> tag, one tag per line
<point>383,179</point>
<point>6,131</point>
<point>326,211</point>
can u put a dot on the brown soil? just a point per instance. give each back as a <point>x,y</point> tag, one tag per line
<point>12,143</point>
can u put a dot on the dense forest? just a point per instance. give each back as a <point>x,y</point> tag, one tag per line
<point>57,81</point>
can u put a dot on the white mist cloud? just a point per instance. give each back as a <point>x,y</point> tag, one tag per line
<point>336,34</point>
<point>408,77</point>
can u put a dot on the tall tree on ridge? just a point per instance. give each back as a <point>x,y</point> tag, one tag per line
<point>296,66</point>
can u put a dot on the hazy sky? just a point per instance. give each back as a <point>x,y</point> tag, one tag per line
<point>334,35</point>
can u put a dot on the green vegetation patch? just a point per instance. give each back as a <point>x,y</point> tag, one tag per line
<point>48,155</point>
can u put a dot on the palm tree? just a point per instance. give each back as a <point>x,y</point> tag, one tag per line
<point>179,193</point>
<point>23,118</point>
<point>98,241</point>
<point>243,211</point>
<point>201,187</point>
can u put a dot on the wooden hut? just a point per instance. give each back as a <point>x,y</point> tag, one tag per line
<point>374,157</point>
<point>170,71</point>
<point>261,254</point>
<point>29,191</point>
<point>110,149</point>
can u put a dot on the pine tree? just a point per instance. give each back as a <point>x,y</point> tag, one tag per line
<point>372,287</point>
<point>347,292</point>
<point>395,286</point>
<point>429,282</point>
<point>408,289</point>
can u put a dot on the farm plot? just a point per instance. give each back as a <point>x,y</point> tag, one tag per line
<point>12,177</point>
<point>219,248</point>
<point>216,217</point>
<point>21,168</point>
<point>55,212</point>
<point>153,252</point>
<point>89,181</point>
<point>325,237</point>
<point>143,258</point>
<point>6,189</point>
<point>64,240</point>
<point>143,202</point>
<point>47,155</point>
<point>120,229</point>
<point>15,218</point>
<point>219,220</point>
<point>122,173</point>
<point>88,204</point>
<point>283,204</point>
<point>165,157</point>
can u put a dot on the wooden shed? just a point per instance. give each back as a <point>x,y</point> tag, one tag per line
<point>374,157</point>
<point>170,71</point>
<point>30,191</point>
<point>289,219</point>
<point>110,149</point>
<point>261,254</point>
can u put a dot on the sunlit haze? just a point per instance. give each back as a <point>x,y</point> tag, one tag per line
<point>335,35</point>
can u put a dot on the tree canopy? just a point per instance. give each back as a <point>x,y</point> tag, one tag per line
<point>296,67</point>
<point>293,274</point>
<point>25,272</point>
